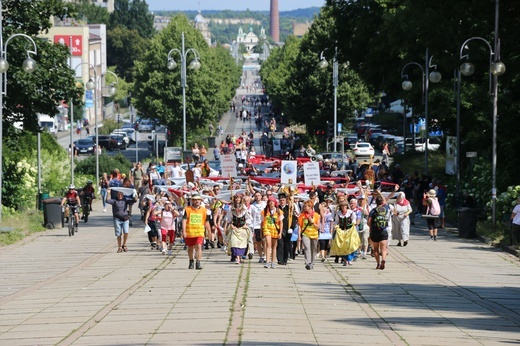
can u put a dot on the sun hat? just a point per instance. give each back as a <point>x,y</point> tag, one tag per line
<point>196,196</point>
<point>432,193</point>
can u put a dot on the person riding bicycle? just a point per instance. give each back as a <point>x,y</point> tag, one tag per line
<point>73,202</point>
<point>88,192</point>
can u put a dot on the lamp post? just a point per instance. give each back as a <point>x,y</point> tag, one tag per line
<point>323,64</point>
<point>496,68</point>
<point>194,65</point>
<point>29,65</point>
<point>90,85</point>
<point>112,90</point>
<point>427,76</point>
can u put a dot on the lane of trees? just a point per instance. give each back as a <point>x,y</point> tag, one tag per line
<point>378,38</point>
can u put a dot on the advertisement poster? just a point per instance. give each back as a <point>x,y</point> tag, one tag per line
<point>289,172</point>
<point>311,173</point>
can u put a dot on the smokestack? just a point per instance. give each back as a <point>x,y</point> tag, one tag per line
<point>275,21</point>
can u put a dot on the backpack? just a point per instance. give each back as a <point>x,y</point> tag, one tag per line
<point>380,219</point>
<point>435,208</point>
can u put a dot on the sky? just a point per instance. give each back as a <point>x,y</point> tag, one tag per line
<point>239,5</point>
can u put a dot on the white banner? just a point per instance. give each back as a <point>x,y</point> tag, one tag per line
<point>311,173</point>
<point>289,172</point>
<point>228,165</point>
<point>451,155</point>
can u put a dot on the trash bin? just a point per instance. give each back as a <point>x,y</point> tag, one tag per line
<point>41,197</point>
<point>211,142</point>
<point>52,213</point>
<point>467,222</point>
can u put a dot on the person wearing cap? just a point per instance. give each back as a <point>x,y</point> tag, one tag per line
<point>272,225</point>
<point>289,222</point>
<point>72,201</point>
<point>194,226</point>
<point>121,219</point>
<point>237,229</point>
<point>168,216</point>
<point>429,199</point>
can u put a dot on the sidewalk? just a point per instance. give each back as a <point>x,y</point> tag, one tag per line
<point>62,290</point>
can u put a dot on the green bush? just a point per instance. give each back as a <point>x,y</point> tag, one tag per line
<point>109,125</point>
<point>107,164</point>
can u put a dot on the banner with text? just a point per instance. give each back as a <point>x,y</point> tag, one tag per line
<point>311,173</point>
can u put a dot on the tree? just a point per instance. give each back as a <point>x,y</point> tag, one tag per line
<point>381,36</point>
<point>92,12</point>
<point>133,16</point>
<point>124,47</point>
<point>302,90</point>
<point>53,81</point>
<point>157,91</point>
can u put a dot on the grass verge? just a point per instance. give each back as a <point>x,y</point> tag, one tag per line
<point>23,224</point>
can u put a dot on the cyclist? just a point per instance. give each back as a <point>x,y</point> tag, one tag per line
<point>88,192</point>
<point>73,202</point>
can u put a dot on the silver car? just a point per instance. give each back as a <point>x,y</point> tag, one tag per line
<point>146,125</point>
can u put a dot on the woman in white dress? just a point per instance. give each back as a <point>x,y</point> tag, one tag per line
<point>401,220</point>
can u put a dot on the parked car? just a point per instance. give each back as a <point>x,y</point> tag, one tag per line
<point>120,141</point>
<point>130,131</point>
<point>363,149</point>
<point>146,125</point>
<point>126,138</point>
<point>85,146</point>
<point>350,140</point>
<point>105,142</point>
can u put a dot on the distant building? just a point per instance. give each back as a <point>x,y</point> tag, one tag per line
<point>250,40</point>
<point>300,29</point>
<point>200,24</point>
<point>108,4</point>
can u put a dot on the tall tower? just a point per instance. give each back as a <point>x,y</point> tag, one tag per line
<point>275,21</point>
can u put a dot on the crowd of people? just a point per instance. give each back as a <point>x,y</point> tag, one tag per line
<point>275,223</point>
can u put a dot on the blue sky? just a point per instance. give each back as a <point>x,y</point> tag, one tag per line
<point>239,5</point>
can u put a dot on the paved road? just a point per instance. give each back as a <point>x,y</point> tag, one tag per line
<point>56,289</point>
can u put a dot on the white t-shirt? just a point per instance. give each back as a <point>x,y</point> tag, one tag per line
<point>516,210</point>
<point>177,172</point>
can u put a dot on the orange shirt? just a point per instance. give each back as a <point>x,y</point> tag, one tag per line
<point>308,229</point>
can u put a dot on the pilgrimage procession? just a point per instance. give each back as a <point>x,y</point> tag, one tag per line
<point>239,177</point>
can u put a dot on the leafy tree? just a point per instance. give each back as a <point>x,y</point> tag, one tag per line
<point>302,90</point>
<point>133,16</point>
<point>124,47</point>
<point>381,36</point>
<point>158,93</point>
<point>53,80</point>
<point>92,12</point>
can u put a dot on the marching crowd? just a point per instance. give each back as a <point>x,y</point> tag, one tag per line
<point>276,223</point>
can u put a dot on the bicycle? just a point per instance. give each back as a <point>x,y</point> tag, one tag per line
<point>86,207</point>
<point>72,225</point>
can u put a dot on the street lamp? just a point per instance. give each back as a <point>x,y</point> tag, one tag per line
<point>112,90</point>
<point>194,65</point>
<point>434,77</point>
<point>29,65</point>
<point>90,85</point>
<point>324,64</point>
<point>496,68</point>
